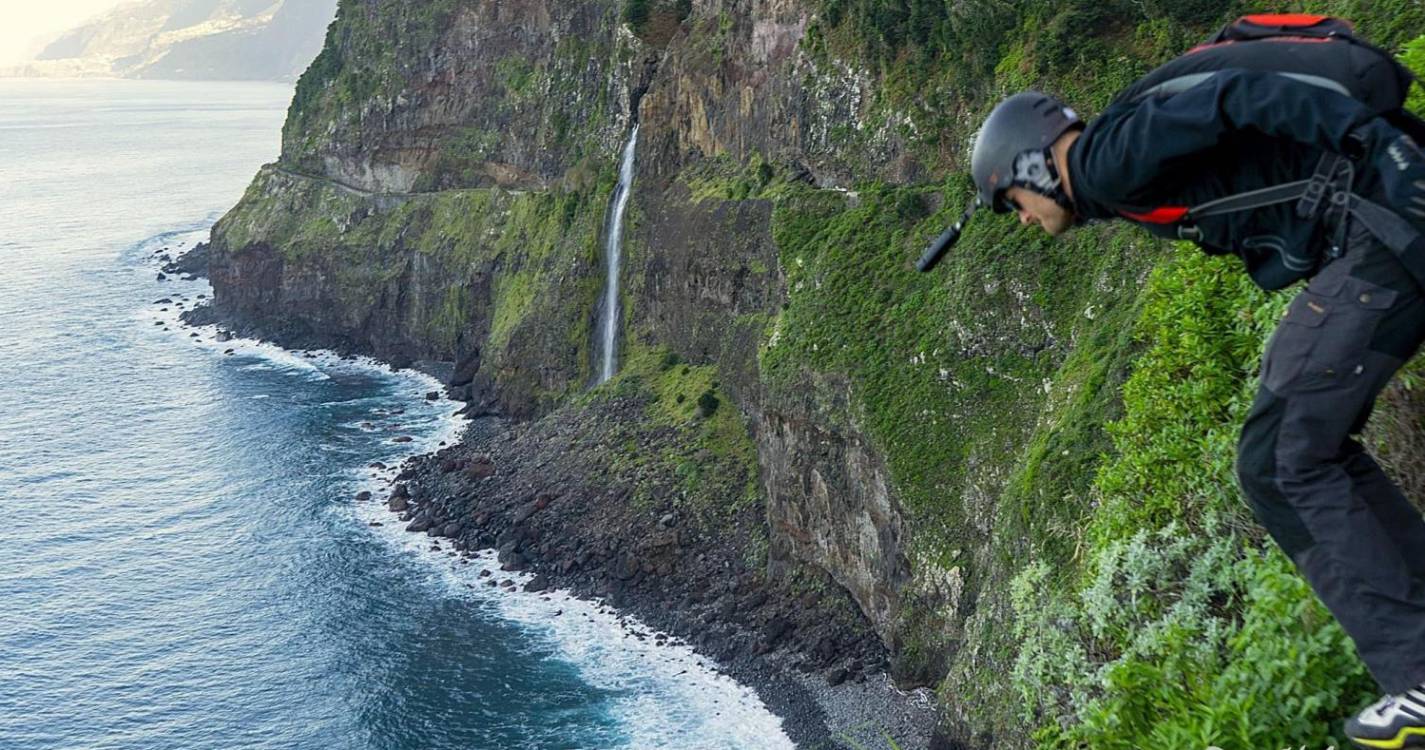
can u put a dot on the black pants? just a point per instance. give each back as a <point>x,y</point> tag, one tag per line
<point>1349,529</point>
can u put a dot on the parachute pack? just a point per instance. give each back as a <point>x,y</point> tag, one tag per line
<point>1317,50</point>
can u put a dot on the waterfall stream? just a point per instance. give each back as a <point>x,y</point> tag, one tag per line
<point>613,252</point>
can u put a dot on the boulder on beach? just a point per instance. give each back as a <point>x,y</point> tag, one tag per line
<point>397,503</point>
<point>401,439</point>
<point>363,496</point>
<point>540,582</point>
<point>481,468</point>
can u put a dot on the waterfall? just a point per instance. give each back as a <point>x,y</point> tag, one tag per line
<point>613,253</point>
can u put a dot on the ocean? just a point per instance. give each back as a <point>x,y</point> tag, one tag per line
<point>186,564</point>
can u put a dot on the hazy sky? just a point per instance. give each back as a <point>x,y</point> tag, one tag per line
<point>27,25</point>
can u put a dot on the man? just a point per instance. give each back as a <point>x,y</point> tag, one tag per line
<point>1349,530</point>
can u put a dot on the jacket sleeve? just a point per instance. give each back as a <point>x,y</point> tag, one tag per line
<point>1133,144</point>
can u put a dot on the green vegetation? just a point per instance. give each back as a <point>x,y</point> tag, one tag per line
<point>945,64</point>
<point>707,450</point>
<point>655,21</point>
<point>477,262</point>
<point>377,64</point>
<point>1180,626</point>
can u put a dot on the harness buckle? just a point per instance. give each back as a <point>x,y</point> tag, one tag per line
<point>1189,232</point>
<point>1310,203</point>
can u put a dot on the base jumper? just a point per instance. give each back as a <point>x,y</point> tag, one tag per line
<point>1301,181</point>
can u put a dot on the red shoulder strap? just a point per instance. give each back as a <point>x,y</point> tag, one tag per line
<point>1159,215</point>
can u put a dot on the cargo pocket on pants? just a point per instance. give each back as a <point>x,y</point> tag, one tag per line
<point>1323,338</point>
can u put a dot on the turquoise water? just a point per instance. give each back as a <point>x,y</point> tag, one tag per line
<point>184,564</point>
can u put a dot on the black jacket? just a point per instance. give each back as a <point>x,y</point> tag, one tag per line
<point>1234,132</point>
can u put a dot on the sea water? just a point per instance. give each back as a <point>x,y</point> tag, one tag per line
<point>183,562</point>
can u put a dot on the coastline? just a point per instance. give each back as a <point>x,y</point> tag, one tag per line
<point>809,656</point>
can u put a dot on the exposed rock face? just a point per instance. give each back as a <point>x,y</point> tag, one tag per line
<point>508,93</point>
<point>829,501</point>
<point>737,81</point>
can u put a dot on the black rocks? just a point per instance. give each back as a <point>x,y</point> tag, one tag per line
<point>433,395</point>
<point>539,583</point>
<point>480,468</point>
<point>526,512</point>
<point>363,496</point>
<point>626,568</point>
<point>419,525</point>
<point>775,630</point>
<point>465,369</point>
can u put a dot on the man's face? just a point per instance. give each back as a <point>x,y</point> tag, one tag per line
<point>1034,208</point>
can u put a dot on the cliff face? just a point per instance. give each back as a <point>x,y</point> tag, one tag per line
<point>443,191</point>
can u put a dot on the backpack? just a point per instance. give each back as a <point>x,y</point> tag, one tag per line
<point>1318,50</point>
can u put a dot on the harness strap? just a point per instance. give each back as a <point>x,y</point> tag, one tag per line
<point>1389,227</point>
<point>1308,193</point>
<point>1393,231</point>
<point>1267,196</point>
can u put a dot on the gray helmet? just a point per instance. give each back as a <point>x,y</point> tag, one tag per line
<point>1025,124</point>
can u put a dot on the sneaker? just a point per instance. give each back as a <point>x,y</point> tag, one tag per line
<point>1394,721</point>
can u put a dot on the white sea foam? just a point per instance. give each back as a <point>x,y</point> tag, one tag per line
<point>667,696</point>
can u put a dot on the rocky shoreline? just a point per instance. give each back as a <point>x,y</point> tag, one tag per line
<point>540,494</point>
<point>523,490</point>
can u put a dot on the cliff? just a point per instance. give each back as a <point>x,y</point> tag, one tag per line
<point>1018,468</point>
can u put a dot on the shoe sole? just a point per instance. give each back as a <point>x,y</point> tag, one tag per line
<point>1407,737</point>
